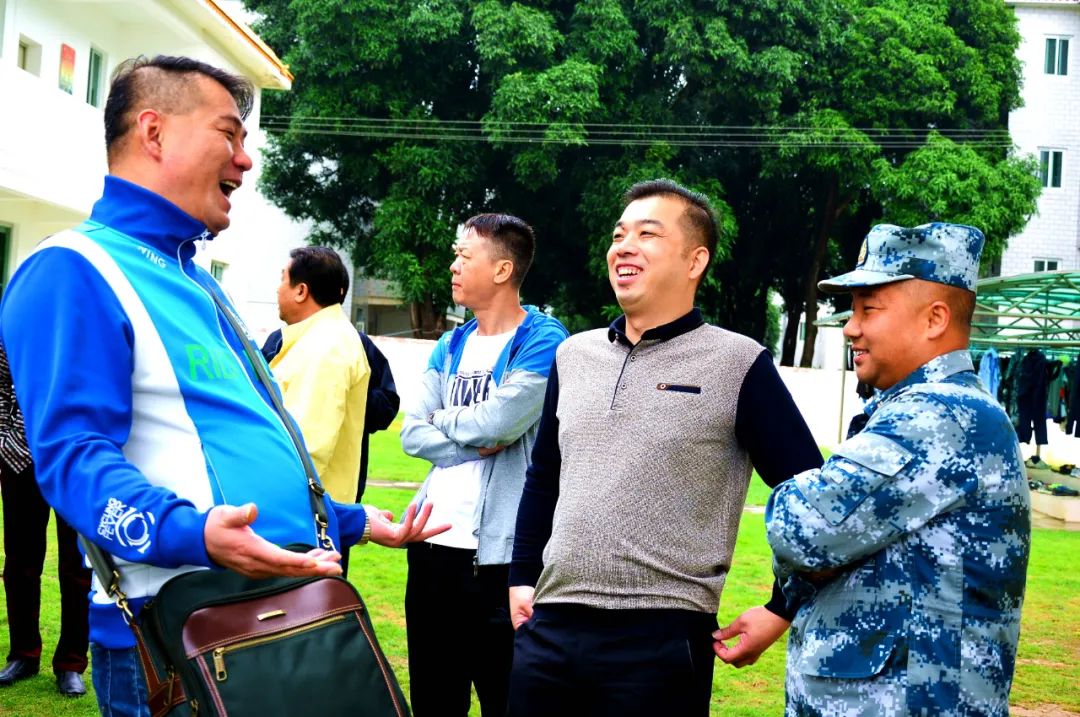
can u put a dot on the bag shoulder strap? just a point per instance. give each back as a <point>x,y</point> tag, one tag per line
<point>258,363</point>
<point>102,562</point>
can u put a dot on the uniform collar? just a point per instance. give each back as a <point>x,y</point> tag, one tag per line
<point>935,370</point>
<point>684,324</point>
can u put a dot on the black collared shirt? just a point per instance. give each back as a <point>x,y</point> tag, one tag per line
<point>768,426</point>
<point>685,323</point>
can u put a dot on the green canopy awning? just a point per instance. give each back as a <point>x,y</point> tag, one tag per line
<point>1040,309</point>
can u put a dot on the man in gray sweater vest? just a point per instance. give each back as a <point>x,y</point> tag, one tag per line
<point>639,473</point>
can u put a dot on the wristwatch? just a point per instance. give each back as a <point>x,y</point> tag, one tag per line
<point>366,536</point>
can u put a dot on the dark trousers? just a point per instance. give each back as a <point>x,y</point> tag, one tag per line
<point>26,518</point>
<point>571,660</point>
<point>1032,418</point>
<point>459,632</point>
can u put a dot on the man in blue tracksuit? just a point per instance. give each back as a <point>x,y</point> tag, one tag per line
<point>150,430</point>
<point>475,422</point>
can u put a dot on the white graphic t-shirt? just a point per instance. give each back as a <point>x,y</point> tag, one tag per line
<point>455,490</point>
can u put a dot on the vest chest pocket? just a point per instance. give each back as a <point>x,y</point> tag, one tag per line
<point>861,466</point>
<point>678,388</point>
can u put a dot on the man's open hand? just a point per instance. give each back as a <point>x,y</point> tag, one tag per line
<point>411,529</point>
<point>231,543</point>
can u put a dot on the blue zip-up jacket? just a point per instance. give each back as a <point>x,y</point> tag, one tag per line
<point>445,435</point>
<point>142,410</point>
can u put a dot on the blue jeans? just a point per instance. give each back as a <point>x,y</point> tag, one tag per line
<point>118,681</point>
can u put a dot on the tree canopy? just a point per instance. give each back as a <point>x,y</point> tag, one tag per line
<point>805,121</point>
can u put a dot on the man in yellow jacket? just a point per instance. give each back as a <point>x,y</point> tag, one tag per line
<point>321,367</point>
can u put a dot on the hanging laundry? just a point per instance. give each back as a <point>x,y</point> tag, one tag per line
<point>1031,389</point>
<point>1055,382</point>
<point>990,371</point>
<point>1072,422</point>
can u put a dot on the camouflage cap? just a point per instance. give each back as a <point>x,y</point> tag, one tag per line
<point>945,253</point>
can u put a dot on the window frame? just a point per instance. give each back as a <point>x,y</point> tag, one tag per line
<point>29,55</point>
<point>6,233</point>
<point>95,81</point>
<point>217,270</point>
<point>1056,55</point>
<point>1051,160</point>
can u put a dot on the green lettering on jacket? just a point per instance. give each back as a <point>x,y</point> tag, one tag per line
<point>210,363</point>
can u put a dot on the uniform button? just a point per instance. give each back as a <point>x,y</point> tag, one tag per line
<point>633,358</point>
<point>623,387</point>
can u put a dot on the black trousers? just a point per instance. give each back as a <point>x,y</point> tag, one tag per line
<point>459,633</point>
<point>1032,418</point>
<point>26,518</point>
<point>571,660</point>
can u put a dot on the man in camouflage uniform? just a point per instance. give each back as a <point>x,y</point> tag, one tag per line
<point>909,547</point>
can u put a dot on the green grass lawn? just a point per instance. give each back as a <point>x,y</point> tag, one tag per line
<point>1047,672</point>
<point>389,462</point>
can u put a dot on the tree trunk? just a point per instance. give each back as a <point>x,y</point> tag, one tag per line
<point>793,310</point>
<point>834,207</point>
<point>427,323</point>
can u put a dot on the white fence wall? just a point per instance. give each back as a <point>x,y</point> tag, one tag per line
<point>817,393</point>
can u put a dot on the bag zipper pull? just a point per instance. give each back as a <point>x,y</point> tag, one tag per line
<point>475,565</point>
<point>219,665</point>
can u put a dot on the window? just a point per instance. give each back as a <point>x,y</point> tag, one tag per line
<point>1050,167</point>
<point>992,268</point>
<point>217,270</point>
<point>1046,265</point>
<point>1057,56</point>
<point>5,236</point>
<point>29,55</point>
<point>3,13</point>
<point>95,77</point>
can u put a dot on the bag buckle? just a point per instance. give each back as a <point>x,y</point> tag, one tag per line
<point>325,540</point>
<point>120,597</point>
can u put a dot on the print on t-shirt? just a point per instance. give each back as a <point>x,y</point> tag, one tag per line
<point>454,490</point>
<point>470,387</point>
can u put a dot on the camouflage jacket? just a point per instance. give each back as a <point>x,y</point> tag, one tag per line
<point>909,550</point>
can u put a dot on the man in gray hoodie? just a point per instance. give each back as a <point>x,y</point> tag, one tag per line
<point>476,421</point>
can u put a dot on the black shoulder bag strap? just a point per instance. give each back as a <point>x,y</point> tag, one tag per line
<point>104,565</point>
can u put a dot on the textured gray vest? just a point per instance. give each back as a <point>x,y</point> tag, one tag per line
<point>653,480</point>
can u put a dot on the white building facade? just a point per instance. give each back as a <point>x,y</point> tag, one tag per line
<point>1047,126</point>
<point>56,57</point>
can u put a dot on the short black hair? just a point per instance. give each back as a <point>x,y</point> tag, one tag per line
<point>162,82</point>
<point>322,270</point>
<point>510,237</point>
<point>699,219</point>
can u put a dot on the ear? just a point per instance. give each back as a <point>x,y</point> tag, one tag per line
<point>938,319</point>
<point>504,271</point>
<point>303,293</point>
<point>150,131</point>
<point>699,260</point>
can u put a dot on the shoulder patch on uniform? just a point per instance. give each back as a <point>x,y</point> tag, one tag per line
<point>859,468</point>
<point>876,452</point>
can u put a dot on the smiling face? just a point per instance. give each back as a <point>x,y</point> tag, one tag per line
<point>202,155</point>
<point>651,265</point>
<point>887,334</point>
